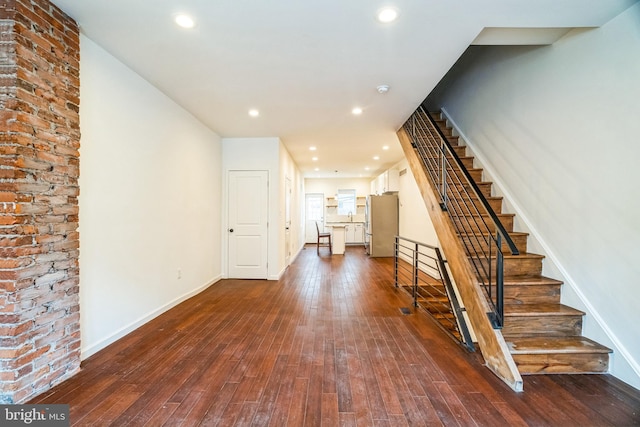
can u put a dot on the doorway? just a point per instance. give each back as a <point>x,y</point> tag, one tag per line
<point>248,224</point>
<point>313,211</point>
<point>287,221</point>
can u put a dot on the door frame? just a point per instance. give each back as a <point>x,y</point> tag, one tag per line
<point>225,220</point>
<point>308,232</point>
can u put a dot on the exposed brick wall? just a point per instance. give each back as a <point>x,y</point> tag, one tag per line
<point>39,168</point>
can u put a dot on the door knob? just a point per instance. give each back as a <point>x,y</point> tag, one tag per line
<point>231,230</point>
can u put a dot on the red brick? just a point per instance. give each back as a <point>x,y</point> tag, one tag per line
<point>12,263</point>
<point>7,197</point>
<point>39,169</point>
<point>16,329</point>
<point>13,353</point>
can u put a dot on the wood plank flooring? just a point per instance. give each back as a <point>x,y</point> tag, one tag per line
<point>327,345</point>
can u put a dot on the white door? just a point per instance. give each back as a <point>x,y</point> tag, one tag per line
<point>287,221</point>
<point>248,213</point>
<point>313,211</point>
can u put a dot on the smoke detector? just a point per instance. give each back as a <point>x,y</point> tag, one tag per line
<point>383,88</point>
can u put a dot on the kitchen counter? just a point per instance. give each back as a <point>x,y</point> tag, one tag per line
<point>337,237</point>
<point>353,231</point>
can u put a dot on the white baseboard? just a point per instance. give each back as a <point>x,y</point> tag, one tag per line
<point>291,261</point>
<point>94,348</point>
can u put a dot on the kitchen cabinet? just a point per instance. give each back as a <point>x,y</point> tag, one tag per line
<point>386,182</point>
<point>354,233</point>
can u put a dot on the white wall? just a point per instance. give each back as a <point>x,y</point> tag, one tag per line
<point>266,154</point>
<point>558,128</point>
<point>149,204</point>
<point>289,170</point>
<point>330,186</point>
<point>414,221</point>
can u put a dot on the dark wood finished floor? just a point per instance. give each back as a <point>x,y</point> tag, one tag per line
<point>326,345</point>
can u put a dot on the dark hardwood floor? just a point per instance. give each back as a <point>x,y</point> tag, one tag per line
<point>326,345</point>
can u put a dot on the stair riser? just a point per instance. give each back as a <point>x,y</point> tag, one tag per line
<point>562,363</point>
<point>549,325</point>
<point>460,150</point>
<point>476,174</point>
<point>495,203</point>
<point>466,161</point>
<point>469,197</point>
<point>481,244</point>
<point>465,191</point>
<point>470,225</point>
<point>447,131</point>
<point>516,266</point>
<point>532,294</point>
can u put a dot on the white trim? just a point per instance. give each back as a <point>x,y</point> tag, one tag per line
<point>617,344</point>
<point>91,350</point>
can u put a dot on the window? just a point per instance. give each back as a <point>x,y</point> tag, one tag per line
<point>315,205</point>
<point>346,202</point>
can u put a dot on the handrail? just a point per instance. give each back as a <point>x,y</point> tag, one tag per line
<point>457,190</point>
<point>503,232</point>
<point>420,269</point>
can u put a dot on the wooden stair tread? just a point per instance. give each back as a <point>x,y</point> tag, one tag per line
<point>523,255</point>
<point>531,280</point>
<point>473,215</point>
<point>545,345</point>
<point>523,310</point>
<point>511,233</point>
<point>479,183</point>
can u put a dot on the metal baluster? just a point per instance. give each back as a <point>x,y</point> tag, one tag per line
<point>415,275</point>
<point>500,282</point>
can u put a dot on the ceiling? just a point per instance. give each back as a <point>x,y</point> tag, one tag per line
<point>306,64</point>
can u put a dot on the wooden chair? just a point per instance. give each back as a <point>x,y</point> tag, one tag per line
<point>323,235</point>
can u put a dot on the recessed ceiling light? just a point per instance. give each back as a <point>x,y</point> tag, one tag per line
<point>185,21</point>
<point>312,148</point>
<point>315,159</point>
<point>254,113</point>
<point>383,89</point>
<point>387,14</point>
<point>356,111</point>
<point>385,147</point>
<point>316,169</point>
<point>366,168</point>
<point>376,157</point>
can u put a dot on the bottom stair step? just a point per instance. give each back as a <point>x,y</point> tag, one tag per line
<point>558,355</point>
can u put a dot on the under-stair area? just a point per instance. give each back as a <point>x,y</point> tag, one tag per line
<point>542,335</point>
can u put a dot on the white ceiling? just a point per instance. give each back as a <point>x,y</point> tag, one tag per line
<point>305,64</point>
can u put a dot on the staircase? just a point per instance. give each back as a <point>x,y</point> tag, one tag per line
<point>543,336</point>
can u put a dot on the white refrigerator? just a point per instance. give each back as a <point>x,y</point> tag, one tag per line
<point>381,221</point>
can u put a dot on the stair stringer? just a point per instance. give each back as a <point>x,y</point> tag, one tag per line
<point>490,341</point>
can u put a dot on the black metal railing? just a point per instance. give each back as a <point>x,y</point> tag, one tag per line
<point>420,270</point>
<point>483,235</point>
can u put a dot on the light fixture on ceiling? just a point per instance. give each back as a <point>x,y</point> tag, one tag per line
<point>185,21</point>
<point>254,113</point>
<point>385,147</point>
<point>312,148</point>
<point>376,157</point>
<point>315,159</point>
<point>316,169</point>
<point>387,15</point>
<point>366,168</point>
<point>383,89</point>
<point>356,111</point>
